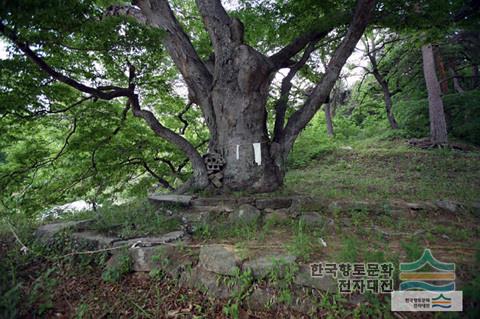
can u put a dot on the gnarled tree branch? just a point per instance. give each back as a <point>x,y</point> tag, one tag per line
<point>320,94</point>
<point>224,31</point>
<point>282,58</point>
<point>200,173</point>
<point>104,94</point>
<point>180,117</point>
<point>199,169</point>
<point>282,103</point>
<point>159,14</point>
<point>143,162</point>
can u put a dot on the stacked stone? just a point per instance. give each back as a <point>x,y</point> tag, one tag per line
<point>215,164</point>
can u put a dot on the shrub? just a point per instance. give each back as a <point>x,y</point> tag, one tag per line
<point>463,115</point>
<point>462,112</point>
<point>137,218</point>
<point>122,265</point>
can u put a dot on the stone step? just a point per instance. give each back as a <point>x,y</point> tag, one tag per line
<point>96,239</point>
<point>184,200</point>
<point>151,241</point>
<point>46,232</point>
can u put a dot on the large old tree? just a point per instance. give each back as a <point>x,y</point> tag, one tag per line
<point>231,87</point>
<point>77,70</point>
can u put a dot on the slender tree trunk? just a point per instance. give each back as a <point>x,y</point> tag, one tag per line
<point>475,75</point>
<point>387,96</point>
<point>438,126</point>
<point>388,108</point>
<point>333,107</point>
<point>442,74</point>
<point>456,81</point>
<point>328,119</point>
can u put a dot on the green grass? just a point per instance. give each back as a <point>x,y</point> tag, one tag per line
<point>386,170</point>
<point>373,170</point>
<point>301,245</point>
<point>131,219</point>
<point>222,229</point>
<point>135,219</point>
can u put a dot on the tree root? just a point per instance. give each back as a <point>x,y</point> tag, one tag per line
<point>426,143</point>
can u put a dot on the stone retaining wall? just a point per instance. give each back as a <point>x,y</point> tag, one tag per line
<point>218,268</point>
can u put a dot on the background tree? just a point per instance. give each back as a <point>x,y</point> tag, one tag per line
<point>375,47</point>
<point>438,125</point>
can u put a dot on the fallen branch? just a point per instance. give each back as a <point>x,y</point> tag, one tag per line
<point>91,252</point>
<point>24,248</point>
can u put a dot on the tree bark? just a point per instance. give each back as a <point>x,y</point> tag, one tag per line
<point>371,51</point>
<point>442,74</point>
<point>456,80</point>
<point>328,119</point>
<point>475,75</point>
<point>239,97</point>
<point>387,96</point>
<point>241,80</point>
<point>438,126</point>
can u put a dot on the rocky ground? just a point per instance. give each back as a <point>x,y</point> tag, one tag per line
<point>250,257</point>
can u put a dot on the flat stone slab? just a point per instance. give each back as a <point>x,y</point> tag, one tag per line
<point>220,259</point>
<point>171,198</point>
<point>273,203</point>
<point>219,204</point>
<point>224,203</point>
<point>313,219</point>
<point>208,281</point>
<point>215,201</point>
<point>96,239</point>
<point>263,265</point>
<point>213,209</point>
<point>46,232</point>
<point>448,205</point>
<point>198,217</point>
<point>246,213</point>
<point>277,217</point>
<point>167,258</point>
<point>346,206</point>
<point>143,258</point>
<point>304,278</point>
<point>152,241</point>
<point>261,299</point>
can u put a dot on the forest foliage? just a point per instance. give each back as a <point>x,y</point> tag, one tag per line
<point>58,146</point>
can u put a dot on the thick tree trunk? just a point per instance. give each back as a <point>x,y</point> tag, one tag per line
<point>239,97</point>
<point>438,126</point>
<point>328,119</point>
